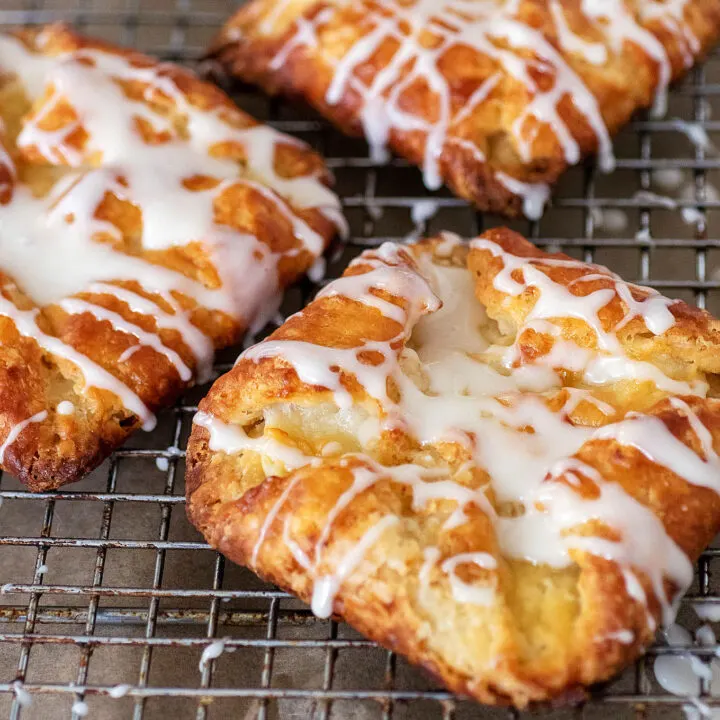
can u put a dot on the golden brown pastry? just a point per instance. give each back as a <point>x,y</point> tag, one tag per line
<point>495,98</point>
<point>497,462</point>
<point>144,222</point>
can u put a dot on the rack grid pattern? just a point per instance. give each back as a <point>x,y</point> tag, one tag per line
<point>108,596</point>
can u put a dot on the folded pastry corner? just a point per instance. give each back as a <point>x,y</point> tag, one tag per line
<point>496,99</point>
<point>498,462</point>
<point>145,221</point>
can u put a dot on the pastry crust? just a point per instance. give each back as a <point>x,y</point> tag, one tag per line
<point>140,230</point>
<point>494,99</point>
<point>512,497</point>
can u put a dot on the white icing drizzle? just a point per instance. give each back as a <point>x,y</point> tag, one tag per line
<point>211,652</point>
<point>493,31</point>
<point>49,245</point>
<point>331,448</point>
<point>457,385</point>
<point>694,132</point>
<point>463,591</point>
<point>619,25</point>
<point>681,673</point>
<point>80,708</point>
<point>233,439</point>
<point>592,52</point>
<point>534,195</point>
<point>317,271</point>
<point>94,375</point>
<point>707,611</point>
<point>654,200</point>
<point>671,14</point>
<point>327,586</point>
<point>74,306</point>
<point>426,485</point>
<point>397,279</point>
<point>15,431</point>
<point>692,216</point>
<point>318,365</point>
<point>65,407</point>
<point>555,301</point>
<point>644,542</point>
<point>24,698</point>
<point>653,439</point>
<point>198,343</point>
<point>423,210</point>
<point>622,636</point>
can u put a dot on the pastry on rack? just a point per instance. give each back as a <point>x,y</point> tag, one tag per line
<point>498,462</point>
<point>145,221</point>
<point>495,99</point>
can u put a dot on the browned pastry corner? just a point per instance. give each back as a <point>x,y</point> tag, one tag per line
<point>498,462</point>
<point>495,99</point>
<point>145,221</point>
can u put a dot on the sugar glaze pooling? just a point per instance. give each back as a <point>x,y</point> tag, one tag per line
<point>493,30</point>
<point>50,245</point>
<point>466,375</point>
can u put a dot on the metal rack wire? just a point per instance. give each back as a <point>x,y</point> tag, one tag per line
<point>109,597</point>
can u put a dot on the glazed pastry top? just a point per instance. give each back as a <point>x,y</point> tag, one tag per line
<point>138,202</point>
<point>512,91</point>
<point>483,432</point>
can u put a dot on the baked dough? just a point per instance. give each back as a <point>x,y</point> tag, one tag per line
<point>496,98</point>
<point>144,222</point>
<point>497,462</point>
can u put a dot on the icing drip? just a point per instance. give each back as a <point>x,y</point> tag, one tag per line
<point>534,195</point>
<point>423,32</point>
<point>457,384</point>
<point>50,245</point>
<point>682,673</point>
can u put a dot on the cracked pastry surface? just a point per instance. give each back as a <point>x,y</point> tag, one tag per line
<point>145,221</point>
<point>495,98</point>
<point>497,462</point>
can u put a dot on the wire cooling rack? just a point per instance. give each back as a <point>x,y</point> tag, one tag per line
<point>109,597</point>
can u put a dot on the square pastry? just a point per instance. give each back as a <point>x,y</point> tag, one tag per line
<point>497,462</point>
<point>495,98</point>
<point>145,221</point>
